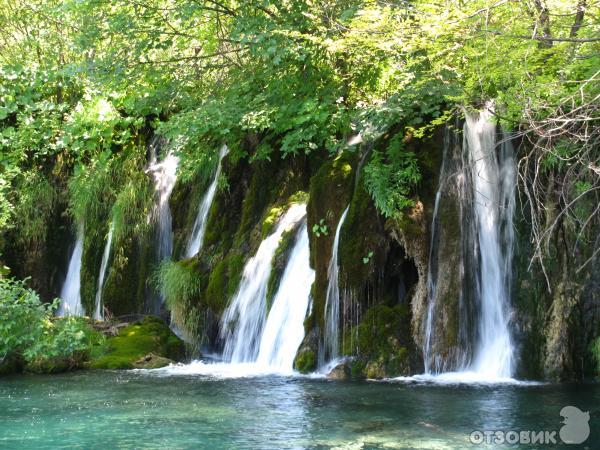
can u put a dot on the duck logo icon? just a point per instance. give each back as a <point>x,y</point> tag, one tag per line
<point>576,428</point>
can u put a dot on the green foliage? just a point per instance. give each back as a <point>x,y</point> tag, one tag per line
<point>29,330</point>
<point>95,126</point>
<point>91,189</point>
<point>179,282</point>
<point>37,199</point>
<point>86,80</point>
<point>320,228</point>
<point>392,178</point>
<point>23,316</point>
<point>132,206</point>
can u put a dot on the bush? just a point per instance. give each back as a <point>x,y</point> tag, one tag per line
<point>30,332</point>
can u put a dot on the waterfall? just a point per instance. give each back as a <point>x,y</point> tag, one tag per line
<point>284,329</point>
<point>195,243</point>
<point>493,182</point>
<point>483,179</point>
<point>98,311</point>
<point>243,321</point>
<point>165,175</point>
<point>332,303</point>
<point>431,276</point>
<point>70,303</point>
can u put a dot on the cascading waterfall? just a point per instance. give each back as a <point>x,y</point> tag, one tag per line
<point>493,182</point>
<point>485,185</point>
<point>195,243</point>
<point>243,321</point>
<point>284,329</point>
<point>331,338</point>
<point>70,294</point>
<point>165,175</point>
<point>98,310</point>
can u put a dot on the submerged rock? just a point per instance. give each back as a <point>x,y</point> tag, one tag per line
<point>349,369</point>
<point>340,372</point>
<point>152,361</point>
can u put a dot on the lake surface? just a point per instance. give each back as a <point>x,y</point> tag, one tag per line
<point>160,409</point>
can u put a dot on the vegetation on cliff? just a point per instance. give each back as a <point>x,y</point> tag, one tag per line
<point>33,339</point>
<point>289,85</point>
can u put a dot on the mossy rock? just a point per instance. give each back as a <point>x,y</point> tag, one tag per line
<point>152,361</point>
<point>58,365</point>
<point>329,194</point>
<point>363,241</point>
<point>349,369</point>
<point>280,259</point>
<point>10,364</point>
<point>306,361</point>
<point>384,342</point>
<point>150,335</point>
<point>223,281</point>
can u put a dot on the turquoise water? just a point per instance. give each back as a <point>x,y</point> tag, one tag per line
<point>153,410</point>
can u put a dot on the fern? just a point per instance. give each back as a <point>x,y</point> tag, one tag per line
<point>390,179</point>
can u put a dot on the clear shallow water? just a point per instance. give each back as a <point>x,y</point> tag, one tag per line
<point>142,409</point>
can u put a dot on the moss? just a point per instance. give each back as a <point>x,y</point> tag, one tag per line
<point>279,262</point>
<point>235,269</point>
<point>329,194</point>
<point>383,341</point>
<point>269,222</point>
<point>216,291</point>
<point>151,335</point>
<point>361,235</point>
<point>306,361</point>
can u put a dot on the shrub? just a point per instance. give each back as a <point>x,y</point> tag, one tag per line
<point>29,331</point>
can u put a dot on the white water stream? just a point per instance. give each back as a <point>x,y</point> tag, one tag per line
<point>487,182</point>
<point>196,238</point>
<point>99,310</point>
<point>70,294</point>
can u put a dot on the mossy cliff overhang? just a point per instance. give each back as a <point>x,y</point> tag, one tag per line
<point>253,194</point>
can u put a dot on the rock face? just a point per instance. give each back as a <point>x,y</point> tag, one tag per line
<point>383,276</point>
<point>152,361</point>
<point>556,318</point>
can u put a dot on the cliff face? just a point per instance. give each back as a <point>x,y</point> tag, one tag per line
<point>557,314</point>
<point>384,265</point>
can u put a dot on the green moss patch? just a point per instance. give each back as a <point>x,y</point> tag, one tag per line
<point>306,361</point>
<point>382,339</point>
<point>151,335</point>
